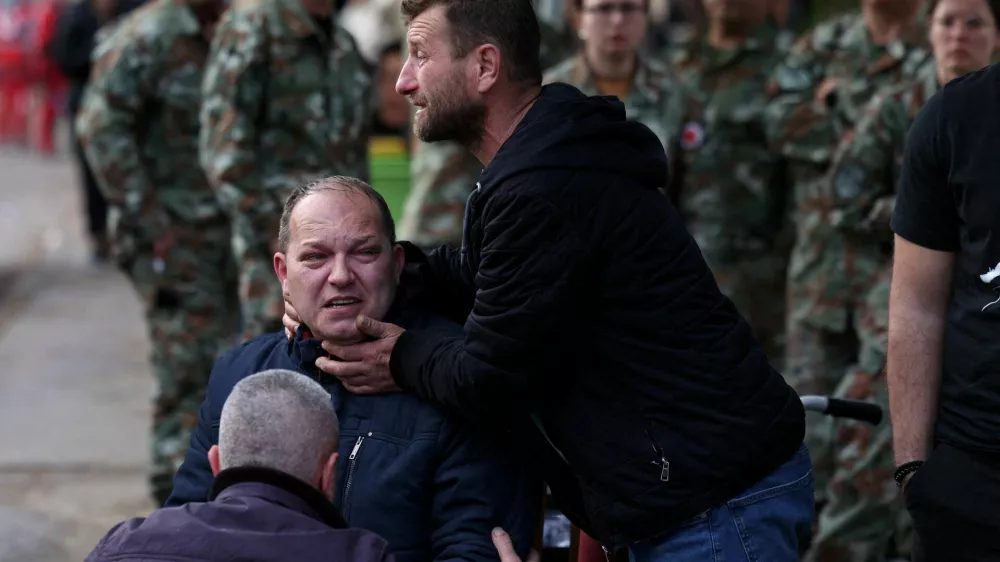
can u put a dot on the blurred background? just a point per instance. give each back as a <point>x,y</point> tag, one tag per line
<point>75,380</point>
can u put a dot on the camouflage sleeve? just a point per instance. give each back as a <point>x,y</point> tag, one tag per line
<point>108,124</point>
<point>232,101</point>
<point>865,165</point>
<point>797,121</point>
<point>443,175</point>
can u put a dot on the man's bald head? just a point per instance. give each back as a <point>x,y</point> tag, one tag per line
<point>333,183</point>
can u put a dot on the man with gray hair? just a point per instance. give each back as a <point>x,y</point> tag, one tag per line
<point>434,489</point>
<point>279,420</point>
<point>275,475</point>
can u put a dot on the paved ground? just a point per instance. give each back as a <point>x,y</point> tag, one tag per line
<point>74,383</point>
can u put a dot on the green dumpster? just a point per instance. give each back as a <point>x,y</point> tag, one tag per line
<point>390,171</point>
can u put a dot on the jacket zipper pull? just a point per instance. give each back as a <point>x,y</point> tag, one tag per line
<point>664,470</point>
<point>354,451</point>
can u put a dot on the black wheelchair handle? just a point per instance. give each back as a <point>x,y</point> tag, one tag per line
<point>843,408</point>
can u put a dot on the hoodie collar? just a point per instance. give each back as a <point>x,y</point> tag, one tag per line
<point>566,129</point>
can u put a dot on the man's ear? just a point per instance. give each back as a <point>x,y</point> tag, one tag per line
<point>488,67</point>
<point>328,478</point>
<point>399,260</point>
<point>281,268</point>
<point>213,460</point>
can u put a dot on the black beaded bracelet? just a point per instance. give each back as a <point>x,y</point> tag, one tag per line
<point>906,468</point>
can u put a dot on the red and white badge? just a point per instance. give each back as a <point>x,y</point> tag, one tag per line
<point>692,136</point>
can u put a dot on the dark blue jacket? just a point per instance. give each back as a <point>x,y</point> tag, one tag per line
<point>433,490</point>
<point>255,514</point>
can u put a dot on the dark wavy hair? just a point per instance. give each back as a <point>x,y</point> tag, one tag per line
<point>993,5</point>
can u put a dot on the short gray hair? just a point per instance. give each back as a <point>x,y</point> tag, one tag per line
<point>280,420</point>
<point>333,183</point>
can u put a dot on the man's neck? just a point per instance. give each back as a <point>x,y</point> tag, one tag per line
<point>946,74</point>
<point>886,24</point>
<point>321,8</point>
<point>500,123</point>
<point>611,68</point>
<point>730,35</point>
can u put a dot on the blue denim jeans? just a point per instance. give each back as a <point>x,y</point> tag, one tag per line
<point>768,522</point>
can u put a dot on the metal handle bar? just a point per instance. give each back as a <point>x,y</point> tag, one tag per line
<point>843,408</point>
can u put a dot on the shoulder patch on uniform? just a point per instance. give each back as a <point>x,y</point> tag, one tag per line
<point>692,136</point>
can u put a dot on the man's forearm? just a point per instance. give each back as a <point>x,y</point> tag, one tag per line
<point>914,377</point>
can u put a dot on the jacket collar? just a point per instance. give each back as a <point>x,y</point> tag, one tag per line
<point>304,349</point>
<point>187,21</point>
<point>763,40</point>
<point>279,488</point>
<point>584,79</point>
<point>911,44</point>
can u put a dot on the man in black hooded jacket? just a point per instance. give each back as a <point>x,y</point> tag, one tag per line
<point>593,326</point>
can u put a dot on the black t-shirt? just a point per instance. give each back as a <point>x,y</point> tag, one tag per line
<point>949,200</point>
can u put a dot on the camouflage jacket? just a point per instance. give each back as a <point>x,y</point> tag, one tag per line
<point>284,103</point>
<point>658,98</point>
<point>807,131</point>
<point>443,174</point>
<point>867,163</point>
<point>839,49</point>
<point>139,121</point>
<point>732,187</point>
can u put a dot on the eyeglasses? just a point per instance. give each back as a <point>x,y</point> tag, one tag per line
<point>606,10</point>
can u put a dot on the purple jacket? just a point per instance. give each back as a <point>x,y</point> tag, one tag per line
<point>254,515</point>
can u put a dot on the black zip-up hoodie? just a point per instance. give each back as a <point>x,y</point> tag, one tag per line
<point>587,304</point>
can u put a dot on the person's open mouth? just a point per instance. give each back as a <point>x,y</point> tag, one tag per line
<point>341,302</point>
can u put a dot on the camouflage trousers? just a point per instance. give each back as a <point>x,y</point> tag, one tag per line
<point>862,512</point>
<point>189,298</point>
<point>254,243</point>
<point>757,288</point>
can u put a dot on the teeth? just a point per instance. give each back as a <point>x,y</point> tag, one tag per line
<point>343,302</point>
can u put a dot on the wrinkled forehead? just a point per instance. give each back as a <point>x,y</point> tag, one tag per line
<point>428,27</point>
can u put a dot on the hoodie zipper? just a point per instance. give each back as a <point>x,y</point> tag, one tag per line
<point>350,469</point>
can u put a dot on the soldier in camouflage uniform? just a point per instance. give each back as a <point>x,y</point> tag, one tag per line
<point>287,99</point>
<point>139,128</point>
<point>444,174</point>
<point>819,94</point>
<point>861,499</point>
<point>607,65</point>
<point>732,187</point>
